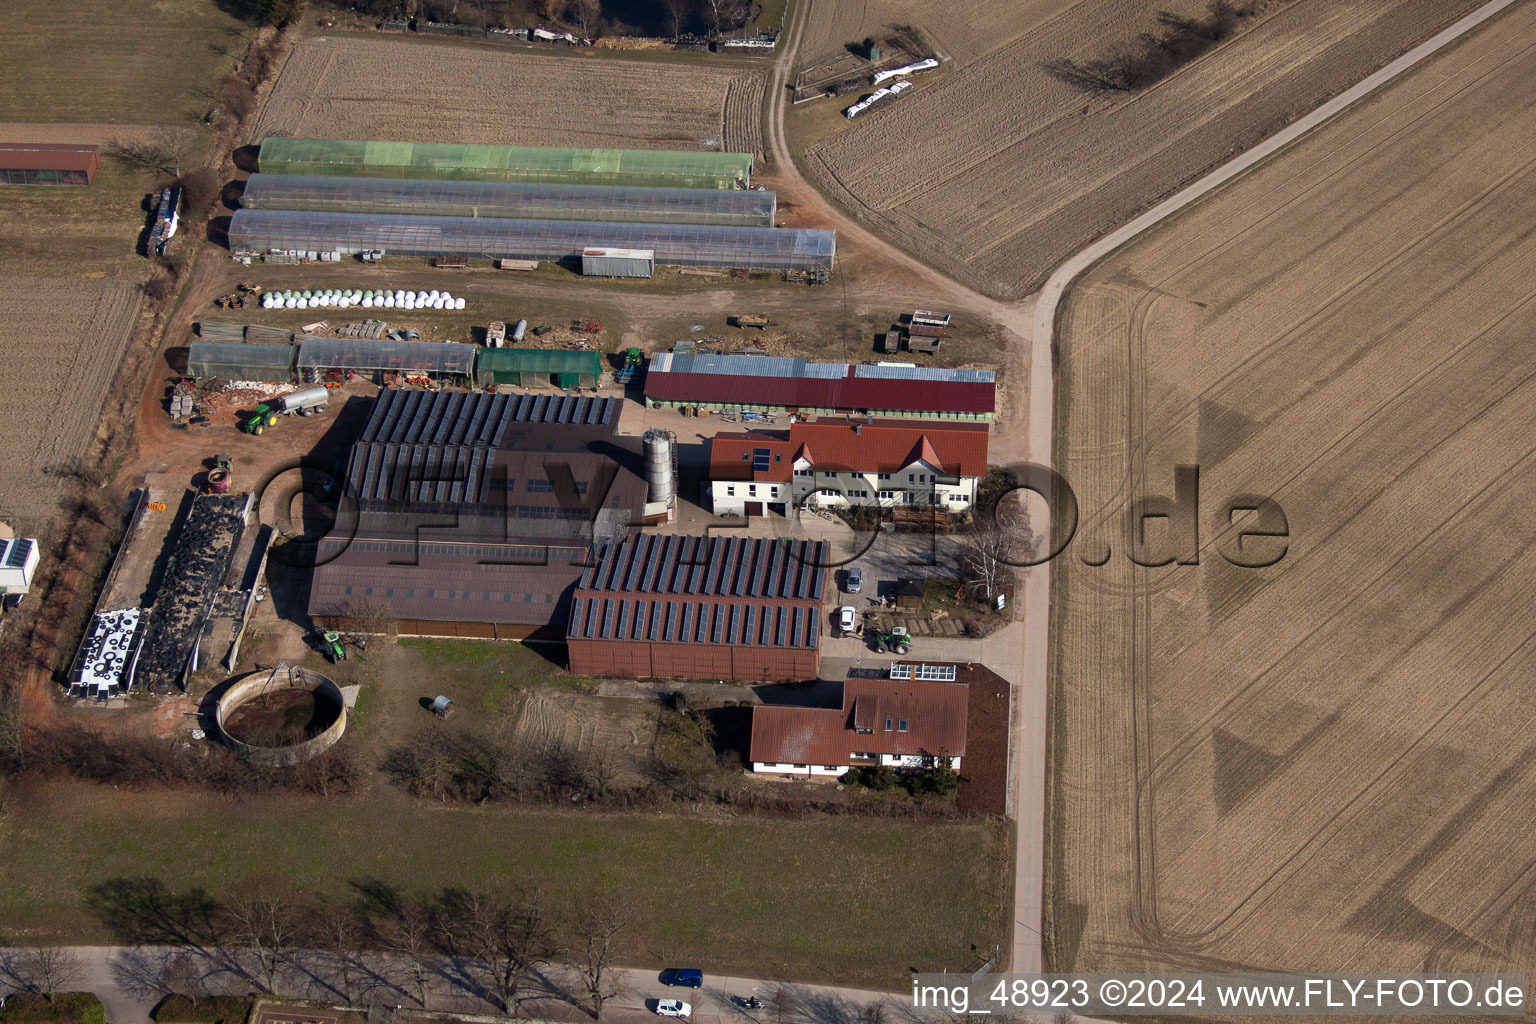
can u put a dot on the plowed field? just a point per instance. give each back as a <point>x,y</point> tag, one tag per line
<point>1000,171</point>
<point>1327,764</point>
<point>63,342</point>
<point>399,89</point>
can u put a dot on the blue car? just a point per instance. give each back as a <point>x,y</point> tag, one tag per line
<point>688,977</point>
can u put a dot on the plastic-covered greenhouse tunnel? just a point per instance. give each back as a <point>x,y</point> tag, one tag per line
<point>237,360</point>
<point>509,200</point>
<point>457,161</point>
<point>369,358</point>
<point>681,245</point>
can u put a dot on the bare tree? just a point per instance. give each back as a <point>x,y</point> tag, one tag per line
<point>372,615</point>
<point>410,935</point>
<point>677,11</point>
<point>585,13</point>
<point>183,975</point>
<point>266,924</point>
<point>782,1004</point>
<point>598,947</point>
<point>337,935</point>
<point>50,969</point>
<point>512,935</point>
<point>997,539</point>
<point>161,151</point>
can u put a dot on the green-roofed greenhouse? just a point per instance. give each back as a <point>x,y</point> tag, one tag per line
<point>509,200</point>
<point>240,361</point>
<point>659,168</point>
<point>536,367</point>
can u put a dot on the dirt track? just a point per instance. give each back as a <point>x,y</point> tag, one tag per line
<point>351,88</point>
<point>999,172</point>
<point>1237,748</point>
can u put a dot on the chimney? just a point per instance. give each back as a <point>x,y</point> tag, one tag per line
<point>858,428</point>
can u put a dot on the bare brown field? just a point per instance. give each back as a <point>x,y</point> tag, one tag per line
<point>355,88</point>
<point>1000,171</point>
<point>63,342</point>
<point>1323,765</point>
<point>963,30</point>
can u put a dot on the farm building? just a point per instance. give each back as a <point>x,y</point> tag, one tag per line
<point>510,200</point>
<point>18,564</point>
<point>794,385</point>
<point>656,168</point>
<point>235,360</point>
<point>682,245</point>
<point>610,262</point>
<point>474,514</point>
<point>41,163</point>
<point>537,367</point>
<point>907,717</point>
<point>380,360</point>
<point>833,463</point>
<point>701,608</point>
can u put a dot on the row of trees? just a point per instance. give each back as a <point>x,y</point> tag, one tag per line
<point>46,970</point>
<point>1155,55</point>
<point>588,18</point>
<point>384,944</point>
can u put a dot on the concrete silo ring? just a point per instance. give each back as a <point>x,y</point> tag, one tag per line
<point>326,693</point>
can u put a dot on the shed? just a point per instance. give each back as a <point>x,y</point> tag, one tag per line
<point>890,341</point>
<point>537,367</point>
<point>611,262</point>
<point>910,593</point>
<point>369,358</point>
<point>42,163</point>
<point>241,361</point>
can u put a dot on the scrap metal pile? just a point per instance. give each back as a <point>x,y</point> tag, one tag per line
<point>192,576</point>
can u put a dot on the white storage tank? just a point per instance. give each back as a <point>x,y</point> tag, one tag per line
<point>609,262</point>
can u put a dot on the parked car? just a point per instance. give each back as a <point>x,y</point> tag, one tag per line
<point>672,1008</point>
<point>845,616</point>
<point>688,977</point>
<point>855,580</point>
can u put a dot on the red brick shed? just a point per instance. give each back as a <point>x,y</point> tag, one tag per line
<point>701,608</point>
<point>42,163</point>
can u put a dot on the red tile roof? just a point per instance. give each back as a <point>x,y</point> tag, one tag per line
<point>935,714</point>
<point>838,445</point>
<point>730,458</point>
<point>47,156</point>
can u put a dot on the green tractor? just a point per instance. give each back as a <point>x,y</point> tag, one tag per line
<point>897,641</point>
<point>331,647</point>
<point>264,417</point>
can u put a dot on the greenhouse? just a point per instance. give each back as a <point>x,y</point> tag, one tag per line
<point>457,161</point>
<point>239,361</point>
<point>681,245</point>
<point>381,360</point>
<point>509,200</point>
<point>535,367</point>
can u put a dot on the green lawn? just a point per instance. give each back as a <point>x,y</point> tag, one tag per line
<point>106,61</point>
<point>846,899</point>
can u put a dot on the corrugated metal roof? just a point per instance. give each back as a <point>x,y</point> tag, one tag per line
<point>362,354</point>
<point>474,418</point>
<point>47,156</point>
<point>854,393</point>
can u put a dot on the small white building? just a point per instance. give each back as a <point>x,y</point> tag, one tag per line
<point>18,564</point>
<point>838,463</point>
<point>611,262</point>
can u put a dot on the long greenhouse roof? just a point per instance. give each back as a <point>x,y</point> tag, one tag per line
<point>537,360</point>
<point>360,354</point>
<point>526,200</point>
<point>451,160</point>
<point>239,353</point>
<point>675,244</point>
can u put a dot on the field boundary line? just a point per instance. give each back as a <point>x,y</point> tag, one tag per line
<point>1027,951</point>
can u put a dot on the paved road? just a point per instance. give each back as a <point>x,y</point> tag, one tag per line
<point>123,979</point>
<point>1029,879</point>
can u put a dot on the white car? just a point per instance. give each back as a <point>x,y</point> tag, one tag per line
<point>845,616</point>
<point>672,1008</point>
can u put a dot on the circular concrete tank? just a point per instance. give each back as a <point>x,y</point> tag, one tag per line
<point>270,698</point>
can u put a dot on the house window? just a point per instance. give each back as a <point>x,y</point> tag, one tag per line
<point>804,472</point>
<point>957,497</point>
<point>730,492</point>
<point>802,766</point>
<point>901,726</point>
<point>883,476</point>
<point>887,495</point>
<point>778,458</point>
<point>773,492</point>
<point>752,490</point>
<point>911,477</point>
<point>541,487</point>
<point>887,725</point>
<point>744,456</point>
